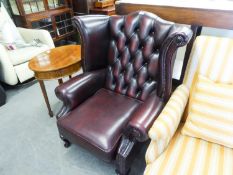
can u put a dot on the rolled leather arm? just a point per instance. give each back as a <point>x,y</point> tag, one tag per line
<point>177,37</point>
<point>182,34</point>
<point>78,89</point>
<point>144,117</point>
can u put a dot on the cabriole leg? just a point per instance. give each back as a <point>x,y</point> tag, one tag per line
<point>124,157</point>
<point>66,142</point>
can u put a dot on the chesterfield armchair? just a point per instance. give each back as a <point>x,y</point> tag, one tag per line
<point>127,63</point>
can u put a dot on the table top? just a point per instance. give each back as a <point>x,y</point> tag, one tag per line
<point>56,59</point>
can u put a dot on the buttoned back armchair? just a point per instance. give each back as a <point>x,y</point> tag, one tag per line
<point>127,63</point>
<point>172,152</point>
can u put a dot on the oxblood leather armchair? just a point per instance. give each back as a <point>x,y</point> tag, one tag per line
<point>127,79</point>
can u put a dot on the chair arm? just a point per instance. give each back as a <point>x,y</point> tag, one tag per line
<point>167,123</point>
<point>43,35</point>
<point>178,36</point>
<point>78,89</point>
<point>144,117</point>
<point>7,71</point>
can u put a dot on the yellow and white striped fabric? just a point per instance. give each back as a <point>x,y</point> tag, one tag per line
<point>155,149</point>
<point>166,124</point>
<point>191,156</point>
<point>211,112</point>
<point>212,58</point>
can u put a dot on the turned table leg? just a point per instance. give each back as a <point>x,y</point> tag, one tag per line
<point>42,86</point>
<point>60,81</point>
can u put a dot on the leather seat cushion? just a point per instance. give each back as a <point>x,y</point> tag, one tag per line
<point>97,124</point>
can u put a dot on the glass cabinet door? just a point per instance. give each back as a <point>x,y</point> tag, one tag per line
<point>64,24</point>
<point>45,24</point>
<point>14,7</point>
<point>33,6</point>
<point>56,3</point>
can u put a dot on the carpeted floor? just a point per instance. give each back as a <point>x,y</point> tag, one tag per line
<point>30,144</point>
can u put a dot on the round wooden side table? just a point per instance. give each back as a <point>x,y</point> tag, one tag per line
<point>55,64</point>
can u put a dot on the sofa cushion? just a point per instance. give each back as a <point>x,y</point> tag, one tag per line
<point>23,55</point>
<point>8,31</point>
<point>210,115</point>
<point>186,155</point>
<point>98,123</point>
<point>23,72</point>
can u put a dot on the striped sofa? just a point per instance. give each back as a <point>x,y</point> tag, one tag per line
<point>170,152</point>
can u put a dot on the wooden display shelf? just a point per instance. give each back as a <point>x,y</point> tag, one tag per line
<point>54,18</point>
<point>46,14</point>
<point>104,4</point>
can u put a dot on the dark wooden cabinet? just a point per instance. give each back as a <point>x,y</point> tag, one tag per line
<point>80,6</point>
<point>105,11</point>
<point>52,15</point>
<point>105,7</point>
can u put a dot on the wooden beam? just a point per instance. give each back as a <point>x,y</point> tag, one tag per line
<point>192,16</point>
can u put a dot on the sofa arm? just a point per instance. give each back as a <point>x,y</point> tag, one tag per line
<point>155,149</point>
<point>78,89</point>
<point>7,71</point>
<point>144,117</point>
<point>167,123</point>
<point>43,35</point>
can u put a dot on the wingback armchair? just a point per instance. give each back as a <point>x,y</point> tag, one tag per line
<point>127,63</point>
<point>171,150</point>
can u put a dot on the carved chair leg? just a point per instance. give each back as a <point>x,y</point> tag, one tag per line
<point>124,157</point>
<point>66,142</point>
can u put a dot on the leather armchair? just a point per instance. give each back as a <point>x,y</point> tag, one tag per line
<point>127,79</point>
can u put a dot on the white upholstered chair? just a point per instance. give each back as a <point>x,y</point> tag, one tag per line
<point>14,63</point>
<point>170,151</point>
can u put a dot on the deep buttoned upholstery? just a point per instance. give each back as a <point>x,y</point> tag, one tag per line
<point>134,54</point>
<point>127,79</point>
